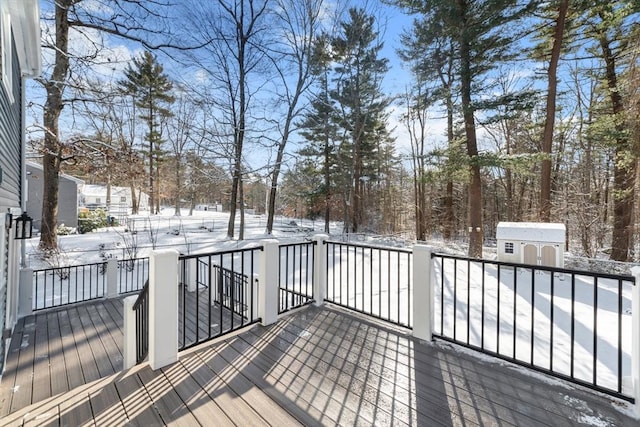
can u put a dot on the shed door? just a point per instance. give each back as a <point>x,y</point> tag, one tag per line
<point>530,254</point>
<point>548,256</point>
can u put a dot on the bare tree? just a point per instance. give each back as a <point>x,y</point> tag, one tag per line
<point>179,136</point>
<point>142,22</point>
<point>299,22</point>
<point>233,62</point>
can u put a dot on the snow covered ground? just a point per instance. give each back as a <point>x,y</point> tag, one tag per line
<point>528,317</point>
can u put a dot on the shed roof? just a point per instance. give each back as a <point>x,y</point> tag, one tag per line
<point>531,231</point>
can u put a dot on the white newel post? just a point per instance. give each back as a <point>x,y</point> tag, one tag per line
<point>163,308</point>
<point>320,269</point>
<point>422,293</point>
<point>269,277</point>
<point>112,278</point>
<point>129,344</point>
<point>635,338</point>
<point>25,293</point>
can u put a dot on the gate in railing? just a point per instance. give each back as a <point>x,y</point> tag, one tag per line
<point>575,325</point>
<point>296,264</point>
<point>375,281</point>
<point>217,294</point>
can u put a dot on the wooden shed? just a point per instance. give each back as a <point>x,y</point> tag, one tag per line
<point>535,243</point>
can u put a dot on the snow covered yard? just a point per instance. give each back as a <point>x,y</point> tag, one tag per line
<point>575,325</point>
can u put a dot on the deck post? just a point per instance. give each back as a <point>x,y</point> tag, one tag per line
<point>635,340</point>
<point>320,269</point>
<point>269,281</point>
<point>112,278</point>
<point>163,308</point>
<point>129,339</point>
<point>25,293</point>
<point>422,293</point>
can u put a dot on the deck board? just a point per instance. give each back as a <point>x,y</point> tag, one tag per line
<point>57,366</point>
<point>194,397</point>
<point>166,400</point>
<point>10,370</point>
<point>84,349</point>
<point>73,369</point>
<point>23,387</point>
<point>41,373</point>
<point>317,366</point>
<point>136,401</point>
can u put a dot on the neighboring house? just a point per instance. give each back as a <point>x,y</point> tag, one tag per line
<point>95,197</point>
<point>68,188</point>
<point>19,60</point>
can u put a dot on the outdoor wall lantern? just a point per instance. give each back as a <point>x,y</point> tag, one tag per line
<point>24,226</point>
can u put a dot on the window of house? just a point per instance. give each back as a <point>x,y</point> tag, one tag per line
<point>123,199</point>
<point>508,247</point>
<point>98,200</point>
<point>6,52</point>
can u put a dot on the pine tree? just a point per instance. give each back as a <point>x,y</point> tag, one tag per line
<point>358,74</point>
<point>151,88</point>
<point>477,29</point>
<point>318,126</point>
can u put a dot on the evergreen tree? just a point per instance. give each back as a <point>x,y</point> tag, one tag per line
<point>151,89</point>
<point>607,24</point>
<point>318,126</point>
<point>357,77</point>
<point>478,30</point>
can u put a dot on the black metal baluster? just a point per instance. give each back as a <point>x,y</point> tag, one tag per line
<point>595,330</point>
<point>533,306</point>
<point>552,320</point>
<point>620,336</point>
<point>573,321</point>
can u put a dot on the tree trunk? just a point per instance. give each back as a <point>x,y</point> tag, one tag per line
<point>327,186</point>
<point>448,198</point>
<point>547,141</point>
<point>178,187</point>
<point>475,202</point>
<point>624,165</point>
<point>51,115</point>
<point>134,199</point>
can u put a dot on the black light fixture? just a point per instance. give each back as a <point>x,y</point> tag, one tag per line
<point>24,226</point>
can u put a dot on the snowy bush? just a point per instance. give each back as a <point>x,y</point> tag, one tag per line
<point>89,221</point>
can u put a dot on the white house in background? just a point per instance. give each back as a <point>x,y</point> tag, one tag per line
<point>531,243</point>
<point>93,196</point>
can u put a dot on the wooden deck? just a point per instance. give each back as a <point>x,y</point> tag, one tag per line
<point>317,366</point>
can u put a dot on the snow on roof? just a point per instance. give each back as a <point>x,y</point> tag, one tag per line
<point>531,231</point>
<point>101,190</point>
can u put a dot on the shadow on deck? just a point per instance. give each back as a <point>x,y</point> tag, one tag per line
<point>317,366</point>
